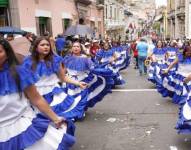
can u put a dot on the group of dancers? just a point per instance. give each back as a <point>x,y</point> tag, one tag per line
<point>41,97</point>
<point>170,71</point>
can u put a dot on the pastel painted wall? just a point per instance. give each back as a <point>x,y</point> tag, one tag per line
<point>56,10</point>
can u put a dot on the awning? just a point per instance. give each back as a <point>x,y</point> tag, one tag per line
<point>159,17</point>
<point>128,13</point>
<point>4,3</point>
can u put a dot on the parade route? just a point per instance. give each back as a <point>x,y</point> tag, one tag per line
<point>133,117</point>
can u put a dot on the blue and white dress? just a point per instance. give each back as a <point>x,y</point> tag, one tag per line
<point>172,53</point>
<point>121,58</point>
<point>20,127</point>
<point>155,68</point>
<point>164,89</point>
<point>82,68</point>
<point>184,121</point>
<point>125,56</point>
<point>48,86</point>
<point>103,57</point>
<point>174,82</point>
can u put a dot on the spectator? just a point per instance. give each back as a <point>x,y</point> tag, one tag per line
<point>60,44</point>
<point>94,48</point>
<point>87,48</point>
<point>142,48</point>
<point>10,37</point>
<point>135,53</point>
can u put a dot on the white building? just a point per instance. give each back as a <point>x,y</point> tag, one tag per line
<point>143,12</point>
<point>188,19</point>
<point>114,19</point>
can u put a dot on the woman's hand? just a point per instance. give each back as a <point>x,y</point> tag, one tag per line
<point>59,122</point>
<point>112,60</point>
<point>165,71</point>
<point>187,79</point>
<point>83,85</point>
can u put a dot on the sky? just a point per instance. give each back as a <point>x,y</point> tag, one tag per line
<point>160,2</point>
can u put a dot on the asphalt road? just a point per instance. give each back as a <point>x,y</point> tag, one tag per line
<point>132,118</point>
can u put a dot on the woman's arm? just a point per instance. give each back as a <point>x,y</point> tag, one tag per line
<point>187,79</point>
<point>171,65</point>
<point>37,100</point>
<point>64,78</point>
<point>152,57</point>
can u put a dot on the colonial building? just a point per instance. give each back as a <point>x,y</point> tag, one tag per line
<point>176,18</point>
<point>188,19</point>
<point>114,19</point>
<point>54,16</point>
<point>161,22</point>
<point>143,14</point>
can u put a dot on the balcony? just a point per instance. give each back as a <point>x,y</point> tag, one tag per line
<point>100,4</point>
<point>85,2</point>
<point>114,24</point>
<point>180,10</point>
<point>121,1</point>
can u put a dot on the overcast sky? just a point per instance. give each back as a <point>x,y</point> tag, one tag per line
<point>160,2</point>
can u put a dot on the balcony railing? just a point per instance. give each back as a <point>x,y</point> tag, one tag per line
<point>180,10</point>
<point>114,24</point>
<point>100,4</point>
<point>85,2</point>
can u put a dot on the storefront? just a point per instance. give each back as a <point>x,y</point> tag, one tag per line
<point>4,13</point>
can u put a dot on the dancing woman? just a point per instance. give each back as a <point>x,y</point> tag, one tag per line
<point>20,127</point>
<point>49,70</point>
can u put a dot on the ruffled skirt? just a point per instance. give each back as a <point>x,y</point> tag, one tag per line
<point>175,87</point>
<point>35,133</point>
<point>155,73</point>
<point>184,121</point>
<point>98,87</point>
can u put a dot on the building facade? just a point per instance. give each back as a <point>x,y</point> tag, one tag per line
<point>161,22</point>
<point>54,16</point>
<point>176,18</point>
<point>188,19</point>
<point>143,12</point>
<point>114,19</point>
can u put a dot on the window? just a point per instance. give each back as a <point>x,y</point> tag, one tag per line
<point>66,23</point>
<point>115,13</point>
<point>106,11</point>
<point>99,27</point>
<point>44,25</point>
<point>4,13</point>
<point>92,24</point>
<point>3,17</point>
<point>111,12</point>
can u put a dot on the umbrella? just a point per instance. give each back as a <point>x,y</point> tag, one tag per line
<point>11,30</point>
<point>21,47</point>
<point>79,29</point>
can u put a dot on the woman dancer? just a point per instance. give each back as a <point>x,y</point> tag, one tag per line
<point>49,69</point>
<point>175,82</point>
<point>81,68</point>
<point>106,57</point>
<point>20,127</point>
<point>158,62</point>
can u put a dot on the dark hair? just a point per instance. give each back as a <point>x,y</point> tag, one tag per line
<point>158,42</point>
<point>81,21</point>
<point>10,35</point>
<point>35,54</point>
<point>185,50</point>
<point>11,61</point>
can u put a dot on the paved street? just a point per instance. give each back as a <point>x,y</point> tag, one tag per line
<point>131,120</point>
